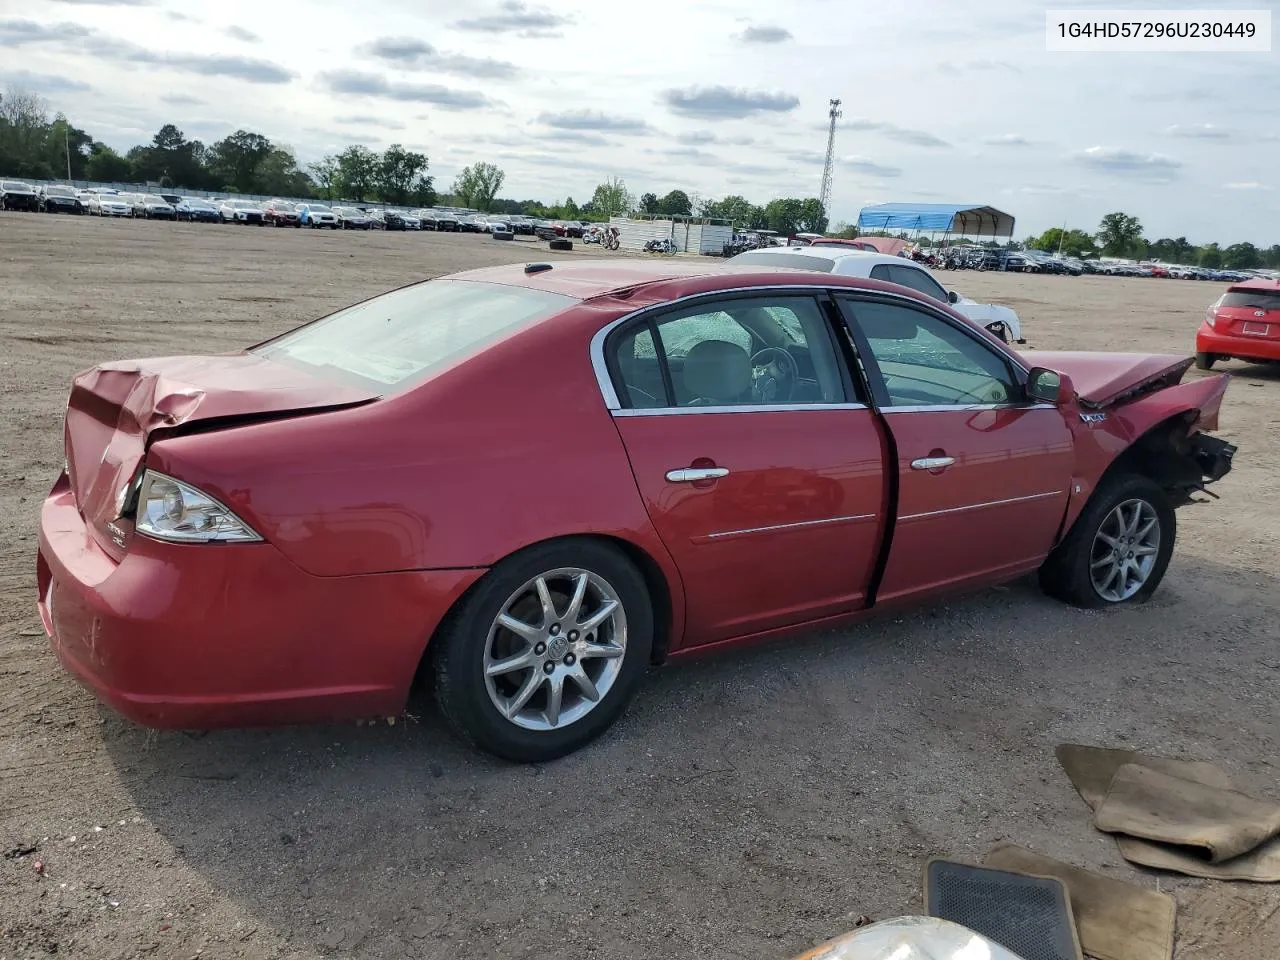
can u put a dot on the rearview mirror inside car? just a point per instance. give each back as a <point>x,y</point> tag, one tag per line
<point>953,297</point>
<point>1048,386</point>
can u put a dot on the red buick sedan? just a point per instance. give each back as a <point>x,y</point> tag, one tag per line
<point>531,482</point>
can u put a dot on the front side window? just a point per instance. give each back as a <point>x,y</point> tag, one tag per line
<point>398,340</point>
<point>750,351</point>
<point>922,360</point>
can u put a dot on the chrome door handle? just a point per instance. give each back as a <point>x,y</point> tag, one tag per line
<point>932,463</point>
<point>692,474</point>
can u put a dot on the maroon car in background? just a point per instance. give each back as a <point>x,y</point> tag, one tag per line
<point>281,213</point>
<point>530,483</point>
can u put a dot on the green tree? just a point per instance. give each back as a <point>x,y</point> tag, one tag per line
<point>1271,258</point>
<point>107,166</point>
<point>477,185</point>
<point>1241,256</point>
<point>1211,256</point>
<point>1073,243</point>
<point>325,173</point>
<point>675,203</point>
<point>1119,234</point>
<point>611,198</point>
<point>278,174</point>
<point>1173,251</point>
<point>648,203</point>
<point>358,169</point>
<point>24,128</point>
<point>401,175</point>
<point>741,212</point>
<point>791,215</point>
<point>235,159</point>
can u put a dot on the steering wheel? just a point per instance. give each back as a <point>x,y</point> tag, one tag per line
<point>774,373</point>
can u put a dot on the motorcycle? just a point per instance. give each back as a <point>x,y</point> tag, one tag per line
<point>665,246</point>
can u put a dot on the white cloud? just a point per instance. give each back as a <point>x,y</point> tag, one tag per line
<point>1248,185</point>
<point>1200,131</point>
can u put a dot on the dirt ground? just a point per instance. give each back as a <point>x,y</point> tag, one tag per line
<point>748,805</point>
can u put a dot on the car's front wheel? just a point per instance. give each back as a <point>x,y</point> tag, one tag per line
<point>546,651</point>
<point>1119,548</point>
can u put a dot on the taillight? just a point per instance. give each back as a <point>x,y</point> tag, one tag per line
<point>1211,318</point>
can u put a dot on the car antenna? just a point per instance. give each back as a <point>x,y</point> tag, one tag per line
<point>536,267</point>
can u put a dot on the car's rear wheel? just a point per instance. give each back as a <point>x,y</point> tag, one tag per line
<point>545,652</point>
<point>1205,361</point>
<point>1000,330</point>
<point>1119,548</point>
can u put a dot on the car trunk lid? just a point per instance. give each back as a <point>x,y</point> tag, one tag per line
<point>1108,379</point>
<point>117,409</point>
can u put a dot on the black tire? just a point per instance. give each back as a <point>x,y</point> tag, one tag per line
<point>560,244</point>
<point>1205,361</point>
<point>1065,574</point>
<point>1001,331</point>
<point>503,235</point>
<point>458,652</point>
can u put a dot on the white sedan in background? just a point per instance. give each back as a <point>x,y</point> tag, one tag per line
<point>846,262</point>
<point>109,205</point>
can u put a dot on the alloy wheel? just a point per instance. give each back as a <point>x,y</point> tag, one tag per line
<point>555,649</point>
<point>1124,550</point>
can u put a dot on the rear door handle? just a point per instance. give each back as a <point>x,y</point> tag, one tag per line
<point>932,463</point>
<point>694,474</point>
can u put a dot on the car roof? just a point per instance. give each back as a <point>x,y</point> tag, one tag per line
<point>663,279</point>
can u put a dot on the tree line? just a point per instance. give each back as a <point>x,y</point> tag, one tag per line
<point>1121,235</point>
<point>36,146</point>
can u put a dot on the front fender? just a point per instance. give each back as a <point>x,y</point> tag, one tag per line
<point>1101,437</point>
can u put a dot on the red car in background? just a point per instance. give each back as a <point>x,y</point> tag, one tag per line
<point>1243,323</point>
<point>530,483</point>
<point>281,213</point>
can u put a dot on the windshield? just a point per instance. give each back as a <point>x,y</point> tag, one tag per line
<point>399,339</point>
<point>318,208</point>
<point>200,204</point>
<point>59,192</point>
<point>152,198</point>
<point>283,207</point>
<point>797,261</point>
<point>13,185</point>
<point>1252,299</point>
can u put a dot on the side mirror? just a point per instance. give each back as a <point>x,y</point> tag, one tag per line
<point>953,297</point>
<point>1049,386</point>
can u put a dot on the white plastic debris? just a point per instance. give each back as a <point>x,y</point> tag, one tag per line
<point>910,938</point>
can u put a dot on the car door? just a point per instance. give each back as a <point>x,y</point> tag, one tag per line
<point>983,475</point>
<point>761,470</point>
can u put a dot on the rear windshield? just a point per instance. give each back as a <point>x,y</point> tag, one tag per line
<point>1252,299</point>
<point>397,340</point>
<point>797,261</point>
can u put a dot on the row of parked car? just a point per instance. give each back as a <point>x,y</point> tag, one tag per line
<point>107,202</point>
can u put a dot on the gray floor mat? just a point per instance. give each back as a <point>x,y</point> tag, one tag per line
<point>1029,915</point>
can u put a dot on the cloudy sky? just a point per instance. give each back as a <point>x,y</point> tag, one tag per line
<point>943,101</point>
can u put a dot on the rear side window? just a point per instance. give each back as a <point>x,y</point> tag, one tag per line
<point>397,340</point>
<point>909,277</point>
<point>1251,299</point>
<point>796,261</point>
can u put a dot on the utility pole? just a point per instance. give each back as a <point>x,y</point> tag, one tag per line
<point>827,170</point>
<point>66,142</point>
